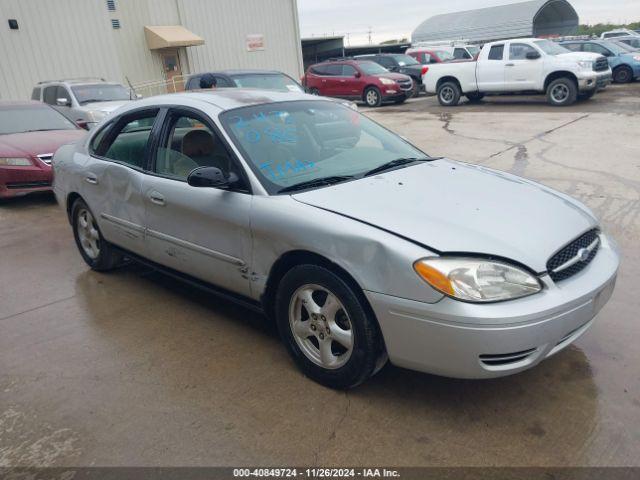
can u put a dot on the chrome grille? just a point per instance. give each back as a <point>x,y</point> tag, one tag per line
<point>574,257</point>
<point>601,64</point>
<point>404,84</point>
<point>46,157</point>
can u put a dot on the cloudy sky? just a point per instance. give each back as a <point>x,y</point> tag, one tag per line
<point>389,19</point>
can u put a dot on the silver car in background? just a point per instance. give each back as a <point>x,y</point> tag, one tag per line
<point>84,101</point>
<point>360,246</point>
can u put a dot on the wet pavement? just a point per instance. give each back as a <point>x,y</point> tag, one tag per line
<point>132,368</point>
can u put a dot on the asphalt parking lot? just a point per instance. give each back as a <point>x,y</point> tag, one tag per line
<point>132,368</point>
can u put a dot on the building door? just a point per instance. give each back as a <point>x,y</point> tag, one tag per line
<point>172,70</point>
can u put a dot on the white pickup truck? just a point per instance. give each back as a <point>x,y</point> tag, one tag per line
<point>520,66</point>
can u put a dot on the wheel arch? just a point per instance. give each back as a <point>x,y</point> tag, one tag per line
<point>293,258</point>
<point>369,85</point>
<point>448,78</point>
<point>559,74</point>
<point>71,199</point>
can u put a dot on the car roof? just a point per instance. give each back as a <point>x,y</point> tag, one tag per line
<point>225,98</point>
<point>21,103</point>
<point>240,72</point>
<point>77,81</point>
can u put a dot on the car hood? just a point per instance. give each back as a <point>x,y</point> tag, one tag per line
<point>36,143</point>
<point>579,56</point>
<point>106,107</point>
<point>454,207</point>
<point>394,76</point>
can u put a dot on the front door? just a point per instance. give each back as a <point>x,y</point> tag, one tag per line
<point>204,232</point>
<point>349,84</point>
<point>522,73</point>
<point>113,178</point>
<point>172,70</point>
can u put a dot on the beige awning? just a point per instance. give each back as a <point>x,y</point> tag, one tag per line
<point>168,36</point>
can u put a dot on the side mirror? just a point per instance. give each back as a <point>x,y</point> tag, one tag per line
<point>63,102</point>
<point>210,177</point>
<point>357,75</point>
<point>533,55</point>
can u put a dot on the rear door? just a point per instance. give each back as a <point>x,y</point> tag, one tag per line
<point>490,70</point>
<point>113,175</point>
<point>332,81</point>
<point>522,73</point>
<point>203,232</point>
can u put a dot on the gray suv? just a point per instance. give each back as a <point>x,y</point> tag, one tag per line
<point>84,101</point>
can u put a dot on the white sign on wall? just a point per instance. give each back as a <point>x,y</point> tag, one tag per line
<point>255,42</point>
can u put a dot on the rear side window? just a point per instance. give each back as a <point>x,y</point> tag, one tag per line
<point>320,69</point>
<point>334,70</point>
<point>574,47</point>
<point>50,95</point>
<point>128,139</point>
<point>496,52</point>
<point>193,83</point>
<point>35,95</point>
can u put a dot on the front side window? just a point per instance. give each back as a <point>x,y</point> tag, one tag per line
<point>574,47</point>
<point>496,52</point>
<point>444,55</point>
<point>63,93</point>
<point>50,95</point>
<point>101,92</point>
<point>287,143</point>
<point>130,140</point>
<point>461,54</point>
<point>189,144</point>
<point>519,51</point>
<point>595,48</point>
<point>275,81</point>
<point>348,71</point>
<point>32,118</point>
<point>404,60</point>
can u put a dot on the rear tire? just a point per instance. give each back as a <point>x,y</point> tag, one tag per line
<point>562,92</point>
<point>372,97</point>
<point>622,74</point>
<point>415,89</point>
<point>326,328</point>
<point>449,94</point>
<point>94,249</point>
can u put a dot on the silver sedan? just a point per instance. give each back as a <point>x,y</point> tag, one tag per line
<point>361,247</point>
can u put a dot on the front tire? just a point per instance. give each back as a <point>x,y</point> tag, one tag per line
<point>562,92</point>
<point>94,249</point>
<point>449,94</point>
<point>622,74</point>
<point>326,328</point>
<point>372,97</point>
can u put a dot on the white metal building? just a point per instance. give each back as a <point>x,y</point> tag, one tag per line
<point>142,41</point>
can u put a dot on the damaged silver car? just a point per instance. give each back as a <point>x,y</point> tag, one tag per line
<point>362,247</point>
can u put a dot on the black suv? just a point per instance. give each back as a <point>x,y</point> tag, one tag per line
<point>400,63</point>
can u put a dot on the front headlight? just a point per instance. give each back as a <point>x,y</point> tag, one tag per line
<point>586,64</point>
<point>15,162</point>
<point>476,279</point>
<point>637,58</point>
<point>387,81</point>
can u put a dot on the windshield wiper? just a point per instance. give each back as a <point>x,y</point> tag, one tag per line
<point>316,182</point>
<point>397,163</point>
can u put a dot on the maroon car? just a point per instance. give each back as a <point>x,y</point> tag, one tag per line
<point>358,80</point>
<point>30,133</point>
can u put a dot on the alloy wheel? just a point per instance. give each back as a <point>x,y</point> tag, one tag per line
<point>447,94</point>
<point>372,98</point>
<point>321,326</point>
<point>88,234</point>
<point>560,93</point>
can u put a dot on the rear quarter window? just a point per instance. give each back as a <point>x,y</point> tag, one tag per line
<point>496,52</point>
<point>35,95</point>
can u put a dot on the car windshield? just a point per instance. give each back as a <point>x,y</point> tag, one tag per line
<point>551,48</point>
<point>625,47</point>
<point>32,118</point>
<point>372,68</point>
<point>404,60</point>
<point>613,46</point>
<point>100,93</point>
<point>271,81</point>
<point>287,143</point>
<point>444,56</point>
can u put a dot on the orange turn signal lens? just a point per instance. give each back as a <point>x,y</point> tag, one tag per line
<point>433,277</point>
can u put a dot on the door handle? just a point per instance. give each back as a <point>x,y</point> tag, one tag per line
<point>156,198</point>
<point>342,81</point>
<point>323,80</point>
<point>510,65</point>
<point>91,178</point>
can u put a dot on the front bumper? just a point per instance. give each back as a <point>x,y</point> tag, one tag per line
<point>17,181</point>
<point>594,81</point>
<point>465,340</point>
